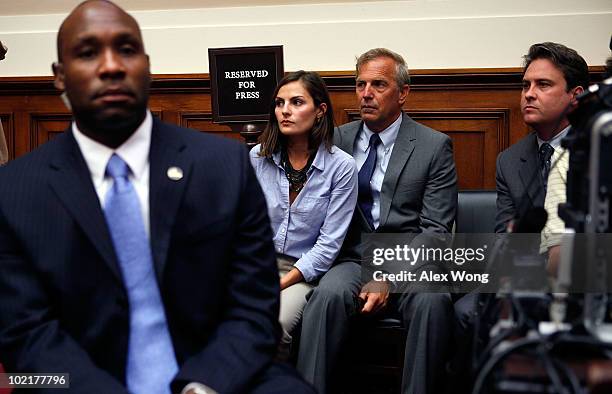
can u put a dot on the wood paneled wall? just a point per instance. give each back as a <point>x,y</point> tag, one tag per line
<point>478,108</point>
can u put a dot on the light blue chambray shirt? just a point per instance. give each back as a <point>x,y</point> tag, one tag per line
<point>383,154</point>
<point>313,228</point>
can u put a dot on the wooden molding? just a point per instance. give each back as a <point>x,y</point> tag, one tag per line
<point>9,132</point>
<point>448,79</point>
<point>180,83</point>
<point>500,115</point>
<point>478,108</point>
<point>44,126</point>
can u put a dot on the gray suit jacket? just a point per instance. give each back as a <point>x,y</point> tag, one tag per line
<point>419,191</point>
<point>518,180</point>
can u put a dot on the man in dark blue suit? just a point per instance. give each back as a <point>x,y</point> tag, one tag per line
<point>553,76</point>
<point>178,293</point>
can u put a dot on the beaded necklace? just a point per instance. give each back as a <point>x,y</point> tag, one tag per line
<point>296,178</point>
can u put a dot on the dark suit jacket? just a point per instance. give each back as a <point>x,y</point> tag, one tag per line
<point>519,184</point>
<point>63,305</point>
<point>419,191</point>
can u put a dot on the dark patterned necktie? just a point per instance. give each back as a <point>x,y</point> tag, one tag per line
<point>545,153</point>
<point>365,175</point>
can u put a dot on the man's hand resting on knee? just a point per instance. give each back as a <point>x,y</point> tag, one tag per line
<point>375,296</point>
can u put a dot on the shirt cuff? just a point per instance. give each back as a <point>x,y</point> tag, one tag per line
<point>305,267</point>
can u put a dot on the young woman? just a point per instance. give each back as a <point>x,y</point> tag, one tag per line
<point>310,188</point>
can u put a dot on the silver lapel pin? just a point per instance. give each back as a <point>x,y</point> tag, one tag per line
<point>175,173</point>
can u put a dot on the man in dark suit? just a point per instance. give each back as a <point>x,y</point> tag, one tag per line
<point>554,75</point>
<point>407,184</point>
<point>136,256</point>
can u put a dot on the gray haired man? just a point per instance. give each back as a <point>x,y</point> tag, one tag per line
<point>407,184</point>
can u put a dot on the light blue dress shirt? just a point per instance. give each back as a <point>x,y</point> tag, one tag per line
<point>383,154</point>
<point>313,228</point>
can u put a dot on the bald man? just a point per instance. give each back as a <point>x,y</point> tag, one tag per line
<point>135,255</point>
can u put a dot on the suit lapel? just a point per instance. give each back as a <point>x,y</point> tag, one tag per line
<point>71,181</point>
<point>402,150</point>
<point>167,150</point>
<point>529,173</point>
<point>347,141</point>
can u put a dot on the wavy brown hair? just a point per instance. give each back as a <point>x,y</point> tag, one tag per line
<point>272,140</point>
<point>568,61</point>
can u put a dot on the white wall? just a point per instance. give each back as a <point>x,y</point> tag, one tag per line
<point>429,33</point>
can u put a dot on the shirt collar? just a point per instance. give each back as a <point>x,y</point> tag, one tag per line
<point>555,142</point>
<point>276,158</point>
<point>134,151</point>
<point>318,162</point>
<point>387,136</point>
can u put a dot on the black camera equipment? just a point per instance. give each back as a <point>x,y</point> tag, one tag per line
<point>589,195</point>
<point>589,179</point>
<point>588,265</point>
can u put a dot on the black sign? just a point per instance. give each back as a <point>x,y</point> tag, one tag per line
<point>243,81</point>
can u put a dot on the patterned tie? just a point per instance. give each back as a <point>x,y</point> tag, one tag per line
<point>151,364</point>
<point>545,153</point>
<point>365,175</point>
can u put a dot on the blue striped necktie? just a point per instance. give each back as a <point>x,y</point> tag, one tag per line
<point>151,364</point>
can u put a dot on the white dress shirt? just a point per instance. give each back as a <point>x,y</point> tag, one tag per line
<point>134,151</point>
